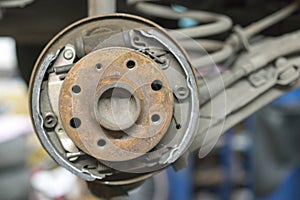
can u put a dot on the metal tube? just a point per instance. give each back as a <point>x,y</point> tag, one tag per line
<point>200,44</point>
<point>213,58</point>
<point>281,46</point>
<point>216,23</point>
<point>271,20</point>
<point>98,7</point>
<point>261,25</point>
<point>215,51</point>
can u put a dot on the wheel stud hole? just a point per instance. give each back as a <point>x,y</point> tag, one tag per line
<point>98,66</point>
<point>130,64</point>
<point>156,85</point>
<point>155,118</point>
<point>101,143</point>
<point>75,122</point>
<point>76,89</point>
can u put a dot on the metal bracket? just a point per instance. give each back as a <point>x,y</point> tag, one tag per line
<point>243,98</point>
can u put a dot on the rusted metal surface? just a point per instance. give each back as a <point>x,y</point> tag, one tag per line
<point>161,124</point>
<point>110,68</point>
<point>94,24</point>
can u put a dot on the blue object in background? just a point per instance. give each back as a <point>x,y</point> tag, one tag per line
<point>226,187</point>
<point>289,189</point>
<point>290,98</point>
<point>181,183</point>
<point>184,22</point>
<point>178,8</point>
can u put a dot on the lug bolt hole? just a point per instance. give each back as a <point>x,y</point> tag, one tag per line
<point>101,143</point>
<point>155,118</point>
<point>76,89</point>
<point>98,66</point>
<point>156,85</point>
<point>75,122</point>
<point>130,64</point>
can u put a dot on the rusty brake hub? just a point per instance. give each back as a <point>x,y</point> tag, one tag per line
<point>114,99</point>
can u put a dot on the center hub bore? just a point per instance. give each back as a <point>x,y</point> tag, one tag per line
<point>117,107</point>
<point>116,104</point>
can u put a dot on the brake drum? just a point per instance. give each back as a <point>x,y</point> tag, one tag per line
<point>114,98</point>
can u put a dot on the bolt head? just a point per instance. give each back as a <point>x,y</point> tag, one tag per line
<point>68,54</point>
